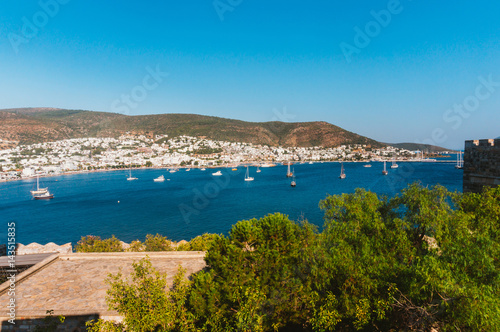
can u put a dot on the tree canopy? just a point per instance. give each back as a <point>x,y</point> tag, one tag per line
<point>424,259</point>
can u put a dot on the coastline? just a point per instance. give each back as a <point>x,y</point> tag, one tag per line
<point>253,164</point>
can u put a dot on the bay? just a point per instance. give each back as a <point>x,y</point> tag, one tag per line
<point>195,202</point>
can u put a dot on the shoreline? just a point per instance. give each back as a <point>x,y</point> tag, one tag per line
<point>224,166</point>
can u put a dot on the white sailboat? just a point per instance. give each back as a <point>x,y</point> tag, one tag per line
<point>247,176</point>
<point>258,169</point>
<point>394,165</point>
<point>289,173</point>
<point>342,173</point>
<point>130,177</point>
<point>384,172</point>
<point>293,183</point>
<point>460,161</point>
<point>38,190</point>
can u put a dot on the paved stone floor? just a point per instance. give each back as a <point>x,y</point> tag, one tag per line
<point>74,284</point>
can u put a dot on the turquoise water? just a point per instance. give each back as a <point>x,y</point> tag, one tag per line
<point>194,202</point>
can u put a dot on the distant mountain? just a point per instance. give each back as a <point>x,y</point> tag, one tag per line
<point>32,125</point>
<point>419,147</point>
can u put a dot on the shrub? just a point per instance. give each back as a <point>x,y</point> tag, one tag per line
<point>91,243</point>
<point>157,243</point>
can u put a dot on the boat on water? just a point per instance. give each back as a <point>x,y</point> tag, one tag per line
<point>188,169</point>
<point>310,163</point>
<point>267,165</point>
<point>258,169</point>
<point>234,169</point>
<point>38,190</point>
<point>247,175</point>
<point>130,177</point>
<point>384,172</point>
<point>460,161</point>
<point>367,165</point>
<point>293,183</point>
<point>394,165</point>
<point>173,170</point>
<point>342,173</point>
<point>203,169</point>
<point>46,195</point>
<point>218,173</point>
<point>289,173</point>
<point>41,193</point>
<point>161,178</point>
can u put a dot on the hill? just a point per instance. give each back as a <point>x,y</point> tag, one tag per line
<point>420,147</point>
<point>32,125</point>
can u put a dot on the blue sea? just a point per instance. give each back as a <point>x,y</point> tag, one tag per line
<point>191,203</point>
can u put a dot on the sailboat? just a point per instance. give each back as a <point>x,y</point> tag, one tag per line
<point>38,190</point>
<point>130,177</point>
<point>460,161</point>
<point>289,173</point>
<point>394,165</point>
<point>293,183</point>
<point>247,176</point>
<point>342,173</point>
<point>41,193</point>
<point>384,172</point>
<point>258,169</point>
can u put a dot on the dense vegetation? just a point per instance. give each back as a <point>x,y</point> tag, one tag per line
<point>92,243</point>
<point>425,259</point>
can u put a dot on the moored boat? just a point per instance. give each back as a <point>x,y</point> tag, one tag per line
<point>161,178</point>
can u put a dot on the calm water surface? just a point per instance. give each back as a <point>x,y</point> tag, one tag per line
<point>194,202</point>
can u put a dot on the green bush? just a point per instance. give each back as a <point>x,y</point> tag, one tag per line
<point>91,243</point>
<point>203,242</point>
<point>157,243</point>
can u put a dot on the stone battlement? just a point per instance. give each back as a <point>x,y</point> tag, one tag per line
<point>481,164</point>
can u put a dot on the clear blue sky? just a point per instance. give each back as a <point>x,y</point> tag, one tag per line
<point>265,60</point>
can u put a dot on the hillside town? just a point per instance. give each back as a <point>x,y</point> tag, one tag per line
<point>88,154</point>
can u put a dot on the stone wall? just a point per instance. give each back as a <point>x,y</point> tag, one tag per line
<point>481,164</point>
<point>35,248</point>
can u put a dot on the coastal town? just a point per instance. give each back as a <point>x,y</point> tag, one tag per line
<point>132,151</point>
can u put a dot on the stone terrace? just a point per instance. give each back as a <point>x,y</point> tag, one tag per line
<point>74,284</point>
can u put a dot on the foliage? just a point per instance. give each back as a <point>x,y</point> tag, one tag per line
<point>203,242</point>
<point>157,243</point>
<point>146,304</point>
<point>101,325</point>
<point>424,259</point>
<point>92,243</point>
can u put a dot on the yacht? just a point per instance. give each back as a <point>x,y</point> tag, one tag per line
<point>384,172</point>
<point>218,173</point>
<point>342,173</point>
<point>247,176</point>
<point>161,178</point>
